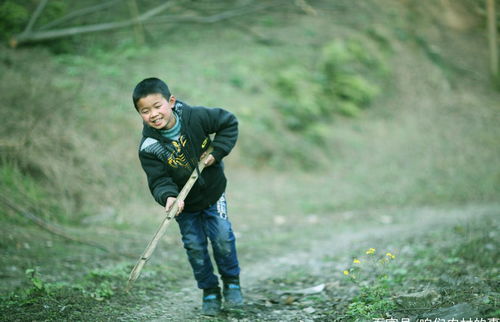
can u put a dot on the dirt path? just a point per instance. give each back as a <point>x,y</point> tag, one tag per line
<point>184,305</point>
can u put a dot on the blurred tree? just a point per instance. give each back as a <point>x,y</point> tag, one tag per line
<point>492,36</point>
<point>138,27</point>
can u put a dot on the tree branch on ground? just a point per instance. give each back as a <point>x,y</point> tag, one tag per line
<point>34,17</point>
<point>256,35</point>
<point>306,7</point>
<point>79,13</point>
<point>217,17</point>
<point>58,33</point>
<point>7,147</point>
<point>37,36</point>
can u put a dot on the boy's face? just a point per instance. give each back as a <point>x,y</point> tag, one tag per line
<point>156,111</point>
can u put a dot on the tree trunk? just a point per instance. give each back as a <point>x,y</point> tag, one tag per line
<point>492,37</point>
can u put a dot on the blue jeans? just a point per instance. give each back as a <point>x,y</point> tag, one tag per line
<point>196,228</point>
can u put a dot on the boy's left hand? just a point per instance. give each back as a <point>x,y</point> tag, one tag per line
<point>210,159</point>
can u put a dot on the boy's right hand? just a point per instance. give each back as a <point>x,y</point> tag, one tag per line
<point>170,203</point>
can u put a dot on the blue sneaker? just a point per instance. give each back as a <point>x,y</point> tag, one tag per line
<point>211,303</point>
<point>232,295</point>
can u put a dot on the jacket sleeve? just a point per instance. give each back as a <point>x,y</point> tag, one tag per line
<point>160,183</point>
<point>225,126</point>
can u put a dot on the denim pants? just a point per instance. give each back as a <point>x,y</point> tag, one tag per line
<point>211,224</point>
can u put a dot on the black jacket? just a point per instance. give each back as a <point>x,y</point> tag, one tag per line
<point>168,164</point>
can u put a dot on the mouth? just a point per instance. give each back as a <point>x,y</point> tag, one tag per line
<point>157,121</point>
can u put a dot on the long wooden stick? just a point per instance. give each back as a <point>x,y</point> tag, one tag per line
<point>136,271</point>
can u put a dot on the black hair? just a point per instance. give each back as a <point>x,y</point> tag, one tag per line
<point>148,86</point>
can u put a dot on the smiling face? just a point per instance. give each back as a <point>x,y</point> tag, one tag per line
<point>157,111</point>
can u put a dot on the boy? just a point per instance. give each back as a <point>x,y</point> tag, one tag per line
<point>175,137</point>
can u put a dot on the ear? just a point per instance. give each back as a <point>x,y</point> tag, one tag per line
<point>172,101</point>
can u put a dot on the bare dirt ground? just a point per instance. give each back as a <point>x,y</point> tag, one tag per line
<point>390,231</point>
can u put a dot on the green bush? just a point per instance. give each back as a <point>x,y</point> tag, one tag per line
<point>340,84</point>
<point>372,302</point>
<point>14,16</point>
<point>299,107</point>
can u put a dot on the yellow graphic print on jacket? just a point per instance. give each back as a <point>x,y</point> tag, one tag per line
<point>177,158</point>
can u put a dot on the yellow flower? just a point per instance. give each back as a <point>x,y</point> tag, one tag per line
<point>391,256</point>
<point>356,261</point>
<point>346,272</point>
<point>370,251</point>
